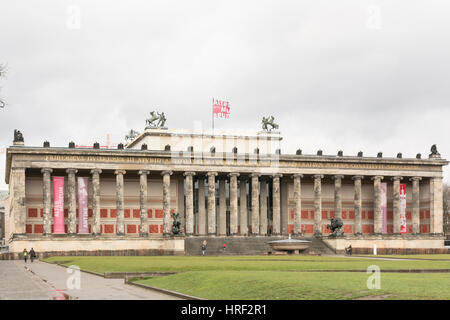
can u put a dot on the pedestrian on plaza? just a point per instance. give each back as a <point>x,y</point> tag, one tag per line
<point>32,254</point>
<point>25,255</point>
<point>348,250</point>
<point>224,246</point>
<point>204,248</point>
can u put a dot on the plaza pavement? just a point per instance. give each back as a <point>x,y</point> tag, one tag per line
<point>40,280</point>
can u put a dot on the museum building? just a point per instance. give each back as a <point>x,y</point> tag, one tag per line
<point>72,200</point>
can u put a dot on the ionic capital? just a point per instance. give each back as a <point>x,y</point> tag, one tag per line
<point>277,176</point>
<point>318,176</point>
<point>255,175</point>
<point>166,172</point>
<point>377,178</point>
<point>120,171</point>
<point>144,172</point>
<point>297,176</point>
<point>234,174</point>
<point>415,178</point>
<point>189,173</point>
<point>338,177</point>
<point>46,170</point>
<point>211,174</point>
<point>71,171</point>
<point>96,170</point>
<point>357,177</point>
<point>396,178</point>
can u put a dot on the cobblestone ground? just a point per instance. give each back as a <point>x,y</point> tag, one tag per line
<point>39,280</point>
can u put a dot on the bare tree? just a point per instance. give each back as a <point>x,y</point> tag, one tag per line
<point>446,207</point>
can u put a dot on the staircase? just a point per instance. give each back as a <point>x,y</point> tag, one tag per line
<point>256,245</point>
<point>318,248</point>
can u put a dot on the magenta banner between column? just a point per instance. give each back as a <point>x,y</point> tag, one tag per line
<point>403,208</point>
<point>83,224</point>
<point>383,207</point>
<point>58,205</point>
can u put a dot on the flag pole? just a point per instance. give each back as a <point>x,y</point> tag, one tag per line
<point>212,114</point>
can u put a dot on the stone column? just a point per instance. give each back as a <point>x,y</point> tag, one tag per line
<point>233,203</point>
<point>416,205</point>
<point>436,212</point>
<point>96,200</point>
<point>201,207</point>
<point>377,212</point>
<point>47,203</point>
<point>298,204</point>
<point>396,204</point>
<point>317,205</point>
<point>263,209</point>
<point>72,200</point>
<point>338,196</point>
<point>255,203</point>
<point>120,221</point>
<point>167,219</point>
<point>143,191</point>
<point>212,203</point>
<point>276,205</point>
<point>222,222</point>
<point>189,177</point>
<point>358,205</point>
<point>18,201</point>
<point>243,211</point>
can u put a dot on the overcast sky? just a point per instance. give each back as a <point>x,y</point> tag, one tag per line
<point>351,75</point>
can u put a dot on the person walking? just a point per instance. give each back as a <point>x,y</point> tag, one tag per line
<point>32,254</point>
<point>204,248</point>
<point>25,255</point>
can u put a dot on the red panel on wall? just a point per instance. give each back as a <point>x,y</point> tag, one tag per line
<point>159,213</point>
<point>427,214</point>
<point>351,214</point>
<point>126,213</point>
<point>38,228</point>
<point>136,213</point>
<point>113,213</point>
<point>408,215</point>
<point>324,214</point>
<point>66,213</point>
<point>131,228</point>
<point>366,228</point>
<point>149,213</point>
<point>331,214</point>
<point>42,212</point>
<point>344,214</point>
<point>89,213</point>
<point>348,228</point>
<point>153,228</point>
<point>308,228</point>
<point>370,214</point>
<point>32,212</point>
<point>109,228</point>
<point>363,214</point>
<point>390,228</point>
<point>390,215</point>
<point>325,229</point>
<point>29,228</point>
<point>311,214</point>
<point>290,228</point>
<point>304,214</point>
<point>161,228</point>
<point>292,215</point>
<point>103,213</point>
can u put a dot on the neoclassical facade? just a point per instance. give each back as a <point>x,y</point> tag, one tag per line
<point>221,184</point>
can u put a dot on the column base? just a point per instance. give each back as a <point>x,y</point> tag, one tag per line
<point>120,234</point>
<point>143,234</point>
<point>358,234</point>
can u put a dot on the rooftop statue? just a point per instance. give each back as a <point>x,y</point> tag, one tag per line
<point>434,149</point>
<point>157,120</point>
<point>131,135</point>
<point>18,137</point>
<point>269,121</point>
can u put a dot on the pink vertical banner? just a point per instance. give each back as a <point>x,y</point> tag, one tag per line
<point>83,224</point>
<point>402,208</point>
<point>58,205</point>
<point>383,207</point>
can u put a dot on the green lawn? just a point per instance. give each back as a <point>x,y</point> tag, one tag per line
<point>415,256</point>
<point>275,285</point>
<point>277,277</point>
